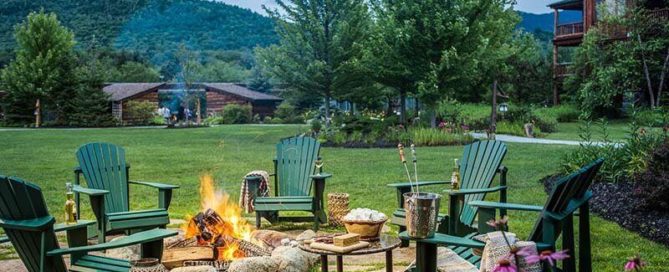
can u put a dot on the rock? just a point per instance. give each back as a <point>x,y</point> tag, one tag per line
<point>200,268</point>
<point>271,238</point>
<point>255,264</point>
<point>291,259</point>
<point>124,253</point>
<point>306,235</point>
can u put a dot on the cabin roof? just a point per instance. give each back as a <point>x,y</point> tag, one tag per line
<point>123,91</point>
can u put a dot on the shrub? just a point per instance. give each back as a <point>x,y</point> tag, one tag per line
<point>237,114</point>
<point>562,113</point>
<point>545,122</point>
<point>432,137</point>
<point>652,118</point>
<point>213,120</point>
<point>622,160</point>
<point>140,112</point>
<point>316,125</point>
<point>511,128</point>
<point>652,185</point>
<point>476,116</point>
<point>287,113</point>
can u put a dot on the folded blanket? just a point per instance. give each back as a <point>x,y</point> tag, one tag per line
<point>246,196</point>
<point>496,248</point>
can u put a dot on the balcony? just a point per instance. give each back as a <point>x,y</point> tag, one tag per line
<point>569,29</point>
<point>659,15</point>
<point>561,70</point>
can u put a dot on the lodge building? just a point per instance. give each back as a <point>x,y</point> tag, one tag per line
<point>570,34</point>
<point>213,96</point>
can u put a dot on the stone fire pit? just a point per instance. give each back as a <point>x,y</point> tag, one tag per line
<point>282,255</point>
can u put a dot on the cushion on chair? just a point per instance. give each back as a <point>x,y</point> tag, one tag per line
<point>449,261</point>
<point>137,219</point>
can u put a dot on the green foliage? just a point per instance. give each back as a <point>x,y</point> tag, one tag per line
<point>213,120</point>
<point>623,160</point>
<point>316,125</point>
<point>653,117</point>
<point>562,113</point>
<point>139,112</point>
<point>319,42</point>
<point>526,73</point>
<point>237,114</point>
<point>287,113</point>
<point>43,69</point>
<point>91,106</point>
<point>437,137</point>
<point>153,27</point>
<point>132,71</point>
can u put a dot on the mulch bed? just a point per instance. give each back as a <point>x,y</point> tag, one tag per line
<point>615,202</point>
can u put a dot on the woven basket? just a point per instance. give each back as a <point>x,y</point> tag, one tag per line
<point>337,208</point>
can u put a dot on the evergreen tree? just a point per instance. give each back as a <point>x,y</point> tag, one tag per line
<point>433,48</point>
<point>42,72</point>
<point>91,105</point>
<point>258,81</point>
<point>318,42</point>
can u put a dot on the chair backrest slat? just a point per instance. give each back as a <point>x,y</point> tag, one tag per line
<point>20,200</point>
<point>296,158</point>
<point>104,167</point>
<point>567,195</point>
<point>478,167</point>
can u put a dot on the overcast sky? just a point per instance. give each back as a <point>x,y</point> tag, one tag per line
<point>533,6</point>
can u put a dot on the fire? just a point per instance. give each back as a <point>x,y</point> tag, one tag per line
<point>219,223</point>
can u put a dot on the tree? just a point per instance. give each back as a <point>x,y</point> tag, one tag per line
<point>435,48</point>
<point>607,68</point>
<point>91,104</point>
<point>318,42</point>
<point>42,73</point>
<point>132,71</point>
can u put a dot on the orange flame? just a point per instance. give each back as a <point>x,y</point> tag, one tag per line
<point>232,225</point>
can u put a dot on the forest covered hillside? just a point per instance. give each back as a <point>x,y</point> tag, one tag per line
<point>148,26</point>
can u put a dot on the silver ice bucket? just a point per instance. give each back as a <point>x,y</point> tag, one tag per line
<point>421,214</point>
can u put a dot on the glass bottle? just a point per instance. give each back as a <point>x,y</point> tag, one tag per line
<point>70,205</point>
<point>455,177</point>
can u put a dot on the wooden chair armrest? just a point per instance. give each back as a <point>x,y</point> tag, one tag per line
<point>137,238</point>
<point>446,240</point>
<point>420,183</point>
<point>506,206</point>
<point>475,191</point>
<point>156,185</point>
<point>89,191</point>
<point>37,224</point>
<point>321,176</point>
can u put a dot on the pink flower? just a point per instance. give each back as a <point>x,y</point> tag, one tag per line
<point>442,124</point>
<point>546,255</point>
<point>635,264</point>
<point>504,265</point>
<point>499,223</point>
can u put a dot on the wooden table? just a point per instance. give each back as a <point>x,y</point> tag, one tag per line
<point>386,243</point>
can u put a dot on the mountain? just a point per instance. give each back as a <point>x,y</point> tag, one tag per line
<point>147,26</point>
<point>544,22</point>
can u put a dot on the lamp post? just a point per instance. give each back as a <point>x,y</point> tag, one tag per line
<point>504,107</point>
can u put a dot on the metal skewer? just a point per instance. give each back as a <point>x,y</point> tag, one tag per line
<point>404,162</point>
<point>415,167</point>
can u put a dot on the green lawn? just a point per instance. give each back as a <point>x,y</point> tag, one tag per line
<point>46,157</point>
<point>617,130</point>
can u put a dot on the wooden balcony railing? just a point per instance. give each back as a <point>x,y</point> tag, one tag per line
<point>561,69</point>
<point>659,15</point>
<point>568,29</point>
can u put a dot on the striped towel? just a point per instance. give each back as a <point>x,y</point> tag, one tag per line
<point>246,196</point>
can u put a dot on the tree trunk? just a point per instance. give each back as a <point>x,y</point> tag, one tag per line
<point>38,113</point>
<point>403,108</point>
<point>433,117</point>
<point>327,112</point>
<point>662,77</point>
<point>651,93</point>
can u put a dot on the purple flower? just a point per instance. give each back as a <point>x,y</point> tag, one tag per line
<point>499,223</point>
<point>504,265</point>
<point>546,255</point>
<point>635,264</point>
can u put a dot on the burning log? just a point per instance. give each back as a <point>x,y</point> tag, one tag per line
<point>206,223</point>
<point>247,248</point>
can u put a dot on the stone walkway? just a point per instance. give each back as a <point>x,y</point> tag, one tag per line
<point>518,139</point>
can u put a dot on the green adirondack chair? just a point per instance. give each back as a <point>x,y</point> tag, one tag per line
<point>294,179</point>
<point>28,225</point>
<point>480,162</point>
<point>556,218</point>
<point>106,172</point>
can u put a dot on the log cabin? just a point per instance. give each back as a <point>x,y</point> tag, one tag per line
<point>570,34</point>
<point>214,97</point>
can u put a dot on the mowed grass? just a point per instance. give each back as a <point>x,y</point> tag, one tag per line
<point>46,157</point>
